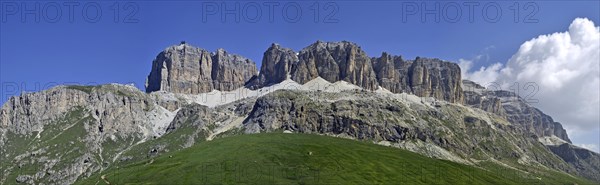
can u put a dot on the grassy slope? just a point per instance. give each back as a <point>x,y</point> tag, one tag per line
<point>298,159</point>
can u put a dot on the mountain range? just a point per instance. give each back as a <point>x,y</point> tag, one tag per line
<point>78,134</point>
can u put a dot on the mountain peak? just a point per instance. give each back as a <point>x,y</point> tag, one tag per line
<point>321,45</point>
<point>275,45</point>
<point>187,69</point>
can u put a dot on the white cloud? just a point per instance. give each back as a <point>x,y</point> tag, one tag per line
<point>591,147</point>
<point>565,68</point>
<point>483,76</point>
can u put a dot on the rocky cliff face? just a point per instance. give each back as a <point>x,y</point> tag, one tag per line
<point>531,120</point>
<point>587,162</point>
<point>335,61</point>
<point>515,109</point>
<point>115,107</point>
<point>230,72</point>
<point>77,131</point>
<point>436,78</point>
<point>423,77</point>
<point>276,66</point>
<point>392,73</point>
<point>191,70</point>
<point>477,96</point>
<point>520,112</point>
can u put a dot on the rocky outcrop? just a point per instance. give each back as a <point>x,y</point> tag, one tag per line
<point>520,112</point>
<point>587,163</point>
<point>189,116</point>
<point>230,71</point>
<point>72,126</point>
<point>532,120</point>
<point>477,96</point>
<point>192,70</point>
<point>392,73</point>
<point>181,69</point>
<point>488,104</point>
<point>435,78</point>
<point>436,132</point>
<point>423,77</point>
<point>515,109</point>
<point>276,66</point>
<point>305,113</point>
<point>114,107</point>
<point>335,61</point>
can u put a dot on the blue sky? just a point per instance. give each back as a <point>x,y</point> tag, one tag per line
<point>57,50</point>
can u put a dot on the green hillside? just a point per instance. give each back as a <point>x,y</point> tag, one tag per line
<point>300,159</point>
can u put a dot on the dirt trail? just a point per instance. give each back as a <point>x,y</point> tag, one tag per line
<point>227,126</point>
<point>103,177</point>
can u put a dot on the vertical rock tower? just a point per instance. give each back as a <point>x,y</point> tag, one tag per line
<point>191,70</point>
